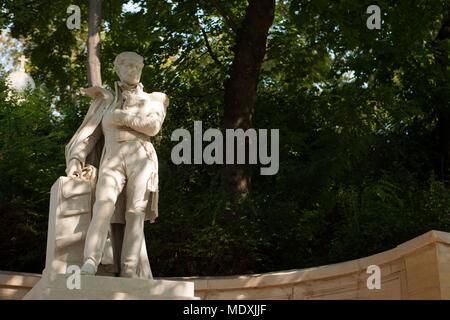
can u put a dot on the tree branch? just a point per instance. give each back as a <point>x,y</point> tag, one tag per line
<point>93,43</point>
<point>230,20</point>
<point>208,46</point>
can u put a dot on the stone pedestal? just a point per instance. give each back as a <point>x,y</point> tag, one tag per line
<point>56,287</point>
<point>69,218</point>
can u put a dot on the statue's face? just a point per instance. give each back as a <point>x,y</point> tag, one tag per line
<point>130,71</point>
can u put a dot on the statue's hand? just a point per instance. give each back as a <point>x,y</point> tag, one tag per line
<point>93,92</point>
<point>74,168</point>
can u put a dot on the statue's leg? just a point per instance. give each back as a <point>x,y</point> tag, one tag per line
<point>110,183</point>
<point>132,242</point>
<point>138,196</point>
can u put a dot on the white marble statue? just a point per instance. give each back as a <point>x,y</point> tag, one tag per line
<point>115,138</point>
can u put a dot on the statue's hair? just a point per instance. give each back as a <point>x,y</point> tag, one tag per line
<point>128,55</point>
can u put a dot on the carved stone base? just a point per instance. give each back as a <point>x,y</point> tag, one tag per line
<point>55,287</point>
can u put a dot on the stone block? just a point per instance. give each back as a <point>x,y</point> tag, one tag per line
<point>54,287</point>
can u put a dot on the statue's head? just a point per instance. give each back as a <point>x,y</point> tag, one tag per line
<point>128,66</point>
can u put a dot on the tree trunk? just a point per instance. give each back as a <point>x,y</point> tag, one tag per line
<point>443,114</point>
<point>241,87</point>
<point>93,44</point>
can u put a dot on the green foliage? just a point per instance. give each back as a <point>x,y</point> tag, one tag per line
<point>31,158</point>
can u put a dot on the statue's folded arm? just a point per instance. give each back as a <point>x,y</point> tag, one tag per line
<point>148,124</point>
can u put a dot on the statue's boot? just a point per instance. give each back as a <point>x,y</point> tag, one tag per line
<point>88,268</point>
<point>132,243</point>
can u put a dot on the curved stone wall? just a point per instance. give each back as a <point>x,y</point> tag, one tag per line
<point>416,269</point>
